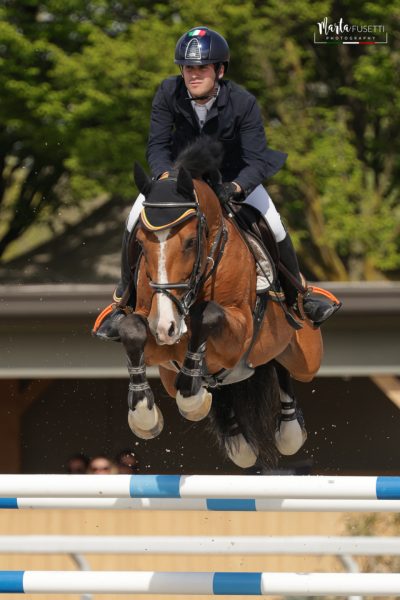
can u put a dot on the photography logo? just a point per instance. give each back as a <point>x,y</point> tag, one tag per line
<point>345,33</point>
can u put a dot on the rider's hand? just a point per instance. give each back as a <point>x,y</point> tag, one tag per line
<point>230,191</point>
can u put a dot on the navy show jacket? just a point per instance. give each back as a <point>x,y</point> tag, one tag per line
<point>234,119</point>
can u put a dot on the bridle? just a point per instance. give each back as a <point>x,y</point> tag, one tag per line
<point>198,276</point>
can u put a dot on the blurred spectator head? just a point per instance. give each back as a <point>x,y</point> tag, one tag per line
<point>77,464</point>
<point>100,465</point>
<point>126,462</point>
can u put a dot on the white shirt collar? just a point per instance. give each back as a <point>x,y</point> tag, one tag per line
<point>201,110</point>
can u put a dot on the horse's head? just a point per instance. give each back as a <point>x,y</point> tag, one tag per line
<point>172,233</point>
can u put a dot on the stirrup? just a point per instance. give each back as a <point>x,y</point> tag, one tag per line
<point>106,325</point>
<point>330,310</point>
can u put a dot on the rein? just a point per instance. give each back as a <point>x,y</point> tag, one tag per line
<point>198,277</point>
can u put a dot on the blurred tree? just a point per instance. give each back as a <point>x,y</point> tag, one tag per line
<point>336,111</point>
<point>78,79</point>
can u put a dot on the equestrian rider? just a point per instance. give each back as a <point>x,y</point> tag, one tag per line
<point>200,102</point>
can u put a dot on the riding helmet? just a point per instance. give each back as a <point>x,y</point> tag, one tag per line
<point>202,46</point>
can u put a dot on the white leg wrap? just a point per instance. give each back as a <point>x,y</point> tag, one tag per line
<point>194,408</point>
<point>145,423</point>
<point>240,452</point>
<point>290,435</point>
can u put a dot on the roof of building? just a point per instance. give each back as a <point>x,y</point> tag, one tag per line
<point>83,299</point>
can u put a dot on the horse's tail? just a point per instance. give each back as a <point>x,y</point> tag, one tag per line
<point>249,407</point>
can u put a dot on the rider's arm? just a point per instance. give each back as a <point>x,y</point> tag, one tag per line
<point>160,136</point>
<point>261,161</point>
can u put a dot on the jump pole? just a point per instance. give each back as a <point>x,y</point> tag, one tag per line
<point>233,584</point>
<point>200,545</point>
<point>201,486</point>
<point>204,504</point>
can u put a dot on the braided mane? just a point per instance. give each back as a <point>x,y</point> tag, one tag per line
<point>201,158</point>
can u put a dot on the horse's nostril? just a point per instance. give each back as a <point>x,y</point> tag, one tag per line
<point>171,330</point>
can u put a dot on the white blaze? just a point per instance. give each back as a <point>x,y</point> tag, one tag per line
<point>167,313</point>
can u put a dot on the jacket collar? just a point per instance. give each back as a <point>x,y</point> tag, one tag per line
<point>220,101</point>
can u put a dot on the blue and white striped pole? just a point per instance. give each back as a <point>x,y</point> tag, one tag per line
<point>204,504</point>
<point>200,486</point>
<point>233,584</point>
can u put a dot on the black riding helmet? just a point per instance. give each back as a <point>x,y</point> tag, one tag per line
<point>202,46</point>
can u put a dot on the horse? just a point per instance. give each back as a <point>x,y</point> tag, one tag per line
<point>194,319</point>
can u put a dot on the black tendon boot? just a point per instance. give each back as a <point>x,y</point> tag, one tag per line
<point>106,325</point>
<point>317,309</point>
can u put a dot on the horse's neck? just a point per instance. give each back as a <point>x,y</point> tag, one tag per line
<point>210,205</point>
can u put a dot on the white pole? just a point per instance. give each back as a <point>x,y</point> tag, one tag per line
<point>278,486</point>
<point>336,584</point>
<point>243,545</point>
<point>65,486</point>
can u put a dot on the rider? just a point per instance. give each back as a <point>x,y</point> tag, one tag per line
<point>200,102</point>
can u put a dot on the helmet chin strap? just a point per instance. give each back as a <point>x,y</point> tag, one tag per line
<point>213,94</point>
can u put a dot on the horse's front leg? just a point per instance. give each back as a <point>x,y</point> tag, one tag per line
<point>144,416</point>
<point>193,399</point>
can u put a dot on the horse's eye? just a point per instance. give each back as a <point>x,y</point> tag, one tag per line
<point>189,244</point>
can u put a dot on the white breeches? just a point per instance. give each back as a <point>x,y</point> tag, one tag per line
<point>259,198</point>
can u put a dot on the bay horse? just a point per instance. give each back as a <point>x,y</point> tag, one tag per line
<point>195,299</point>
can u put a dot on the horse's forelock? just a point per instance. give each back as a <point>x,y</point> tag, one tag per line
<point>200,158</point>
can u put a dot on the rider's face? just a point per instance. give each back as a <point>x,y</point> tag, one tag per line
<point>200,79</point>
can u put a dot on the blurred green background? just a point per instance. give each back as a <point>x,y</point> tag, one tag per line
<point>77,80</point>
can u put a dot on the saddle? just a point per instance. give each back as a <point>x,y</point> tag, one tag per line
<point>258,236</point>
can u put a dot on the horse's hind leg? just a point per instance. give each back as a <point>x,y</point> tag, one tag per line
<point>193,400</point>
<point>290,434</point>
<point>244,417</point>
<point>144,416</point>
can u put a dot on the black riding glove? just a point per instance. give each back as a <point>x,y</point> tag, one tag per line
<point>227,192</point>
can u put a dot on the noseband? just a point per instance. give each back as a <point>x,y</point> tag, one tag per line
<point>198,277</point>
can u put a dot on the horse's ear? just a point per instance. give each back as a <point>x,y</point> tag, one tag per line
<point>184,182</point>
<point>142,181</point>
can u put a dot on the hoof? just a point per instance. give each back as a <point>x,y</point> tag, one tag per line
<point>194,408</point>
<point>240,452</point>
<point>290,437</point>
<point>147,428</point>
